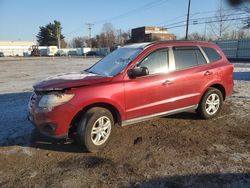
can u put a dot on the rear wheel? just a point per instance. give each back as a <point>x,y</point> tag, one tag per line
<point>211,103</point>
<point>94,129</point>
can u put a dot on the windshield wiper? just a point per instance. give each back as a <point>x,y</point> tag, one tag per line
<point>93,72</point>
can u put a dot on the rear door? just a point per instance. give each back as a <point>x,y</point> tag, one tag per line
<point>190,76</point>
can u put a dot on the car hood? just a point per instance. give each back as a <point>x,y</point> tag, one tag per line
<point>69,80</point>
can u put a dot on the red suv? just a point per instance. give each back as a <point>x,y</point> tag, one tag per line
<point>132,84</point>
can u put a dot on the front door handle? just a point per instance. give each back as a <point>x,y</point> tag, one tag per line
<point>167,82</point>
<point>207,73</point>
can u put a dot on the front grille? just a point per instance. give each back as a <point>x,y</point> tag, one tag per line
<point>32,100</point>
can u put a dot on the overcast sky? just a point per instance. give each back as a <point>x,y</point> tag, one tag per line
<point>20,19</point>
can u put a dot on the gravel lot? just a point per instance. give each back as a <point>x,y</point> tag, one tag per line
<point>176,151</point>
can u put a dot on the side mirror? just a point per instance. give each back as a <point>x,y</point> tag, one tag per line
<point>138,72</point>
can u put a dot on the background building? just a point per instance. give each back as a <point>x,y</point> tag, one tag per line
<point>16,48</point>
<point>148,34</point>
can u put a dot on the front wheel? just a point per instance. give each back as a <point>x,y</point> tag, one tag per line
<point>210,104</point>
<point>94,129</point>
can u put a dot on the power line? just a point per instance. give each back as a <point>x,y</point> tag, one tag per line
<point>199,13</point>
<point>142,8</point>
<point>205,18</point>
<point>153,4</point>
<point>212,21</point>
<point>136,10</point>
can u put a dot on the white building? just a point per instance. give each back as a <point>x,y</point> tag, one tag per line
<point>16,48</point>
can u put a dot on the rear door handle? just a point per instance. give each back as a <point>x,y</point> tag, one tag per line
<point>167,82</point>
<point>207,73</point>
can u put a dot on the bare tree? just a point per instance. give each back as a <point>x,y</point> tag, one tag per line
<point>246,23</point>
<point>78,42</point>
<point>196,37</point>
<point>122,37</point>
<point>242,34</point>
<point>108,36</point>
<point>219,30</point>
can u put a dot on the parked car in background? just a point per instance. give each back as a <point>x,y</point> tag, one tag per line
<point>72,53</point>
<point>1,54</point>
<point>52,50</point>
<point>132,84</point>
<point>61,53</point>
<point>91,53</point>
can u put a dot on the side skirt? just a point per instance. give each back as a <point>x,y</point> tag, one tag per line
<point>170,112</point>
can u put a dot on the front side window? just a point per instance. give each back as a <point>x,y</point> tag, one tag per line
<point>211,54</point>
<point>156,62</point>
<point>115,62</point>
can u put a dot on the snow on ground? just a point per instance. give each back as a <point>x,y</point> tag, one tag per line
<point>242,80</point>
<point>17,78</point>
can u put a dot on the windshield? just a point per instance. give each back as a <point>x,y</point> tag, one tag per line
<point>115,62</point>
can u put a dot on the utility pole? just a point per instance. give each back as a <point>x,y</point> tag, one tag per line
<point>59,39</point>
<point>90,28</point>
<point>205,30</point>
<point>187,24</point>
<point>120,37</point>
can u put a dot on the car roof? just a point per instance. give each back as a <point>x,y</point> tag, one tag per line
<point>172,42</point>
<point>137,45</point>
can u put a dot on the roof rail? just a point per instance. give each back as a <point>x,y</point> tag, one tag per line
<point>173,41</point>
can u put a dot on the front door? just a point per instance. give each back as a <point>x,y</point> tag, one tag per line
<point>149,94</point>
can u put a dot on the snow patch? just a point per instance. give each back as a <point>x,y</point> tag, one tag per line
<point>17,149</point>
<point>70,76</point>
<point>33,174</point>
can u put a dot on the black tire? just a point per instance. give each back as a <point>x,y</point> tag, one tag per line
<point>87,123</point>
<point>203,107</point>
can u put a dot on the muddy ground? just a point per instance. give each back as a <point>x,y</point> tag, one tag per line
<point>177,151</point>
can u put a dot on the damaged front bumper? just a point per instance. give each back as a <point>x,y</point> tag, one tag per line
<point>53,122</point>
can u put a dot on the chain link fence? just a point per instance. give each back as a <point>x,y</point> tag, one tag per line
<point>235,49</point>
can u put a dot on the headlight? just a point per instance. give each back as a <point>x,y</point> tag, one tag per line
<point>52,100</point>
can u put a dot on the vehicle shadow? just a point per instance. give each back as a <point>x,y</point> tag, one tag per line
<point>40,141</point>
<point>215,180</point>
<point>185,115</point>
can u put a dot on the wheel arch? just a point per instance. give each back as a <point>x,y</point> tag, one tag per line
<point>115,113</point>
<point>218,86</point>
<point>221,88</point>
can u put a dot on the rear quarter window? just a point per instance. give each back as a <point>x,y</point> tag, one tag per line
<point>212,54</point>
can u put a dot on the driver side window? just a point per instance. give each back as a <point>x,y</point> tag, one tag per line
<point>156,62</point>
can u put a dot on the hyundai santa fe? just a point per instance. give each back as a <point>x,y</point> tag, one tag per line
<point>132,84</point>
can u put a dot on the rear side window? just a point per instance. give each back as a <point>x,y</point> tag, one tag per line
<point>186,57</point>
<point>156,62</point>
<point>211,54</point>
